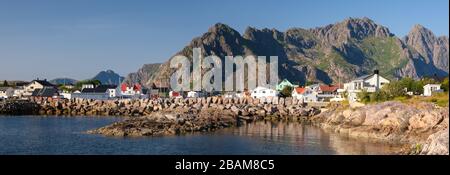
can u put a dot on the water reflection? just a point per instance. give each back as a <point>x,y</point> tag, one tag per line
<point>304,136</point>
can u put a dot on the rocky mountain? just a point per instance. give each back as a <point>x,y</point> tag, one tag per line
<point>108,77</point>
<point>63,81</point>
<point>334,53</point>
<point>144,75</point>
<point>430,51</point>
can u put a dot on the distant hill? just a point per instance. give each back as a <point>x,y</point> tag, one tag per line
<point>109,77</point>
<point>63,81</point>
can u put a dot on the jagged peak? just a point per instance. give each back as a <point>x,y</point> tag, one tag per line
<point>418,33</point>
<point>250,32</point>
<point>250,29</point>
<point>366,24</point>
<point>443,38</point>
<point>220,28</point>
<point>418,29</point>
<point>358,20</point>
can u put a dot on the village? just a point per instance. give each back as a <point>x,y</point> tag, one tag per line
<point>314,94</point>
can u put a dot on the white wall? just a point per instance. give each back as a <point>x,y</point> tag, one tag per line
<point>372,81</point>
<point>263,92</point>
<point>94,96</point>
<point>31,87</point>
<point>430,88</point>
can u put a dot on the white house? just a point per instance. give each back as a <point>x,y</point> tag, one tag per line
<point>194,94</point>
<point>18,92</point>
<point>6,92</point>
<point>101,92</point>
<point>369,83</point>
<point>87,86</point>
<point>304,94</point>
<point>36,84</point>
<point>66,95</point>
<point>233,95</point>
<point>260,92</point>
<point>429,89</point>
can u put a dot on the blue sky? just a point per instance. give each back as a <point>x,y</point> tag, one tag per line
<point>79,38</point>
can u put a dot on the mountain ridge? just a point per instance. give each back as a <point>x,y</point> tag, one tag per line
<point>335,52</point>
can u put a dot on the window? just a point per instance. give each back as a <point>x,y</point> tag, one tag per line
<point>263,92</point>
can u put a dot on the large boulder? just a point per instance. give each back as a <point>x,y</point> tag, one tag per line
<point>424,121</point>
<point>437,144</point>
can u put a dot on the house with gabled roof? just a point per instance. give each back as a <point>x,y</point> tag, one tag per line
<point>263,92</point>
<point>101,92</point>
<point>304,94</point>
<point>327,92</point>
<point>159,88</point>
<point>46,91</point>
<point>6,92</point>
<point>370,83</point>
<point>283,84</point>
<point>36,84</point>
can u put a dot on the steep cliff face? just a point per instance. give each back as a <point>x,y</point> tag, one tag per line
<point>430,50</point>
<point>334,53</point>
<point>144,75</point>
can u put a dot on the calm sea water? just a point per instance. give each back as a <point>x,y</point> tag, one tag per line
<point>59,135</point>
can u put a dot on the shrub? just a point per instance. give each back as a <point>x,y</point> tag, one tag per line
<point>444,84</point>
<point>287,91</point>
<point>364,96</point>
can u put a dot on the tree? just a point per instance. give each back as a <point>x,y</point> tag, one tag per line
<point>412,85</point>
<point>444,84</point>
<point>378,96</point>
<point>364,96</point>
<point>5,83</point>
<point>308,83</point>
<point>393,89</point>
<point>287,91</point>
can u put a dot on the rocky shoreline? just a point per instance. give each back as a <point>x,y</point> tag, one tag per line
<point>280,108</point>
<point>423,127</point>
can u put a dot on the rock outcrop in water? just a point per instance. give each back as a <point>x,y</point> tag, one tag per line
<point>418,124</point>
<point>161,124</point>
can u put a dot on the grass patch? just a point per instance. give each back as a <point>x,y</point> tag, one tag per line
<point>440,99</point>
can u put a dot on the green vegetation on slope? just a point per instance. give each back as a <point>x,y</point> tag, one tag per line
<point>385,53</point>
